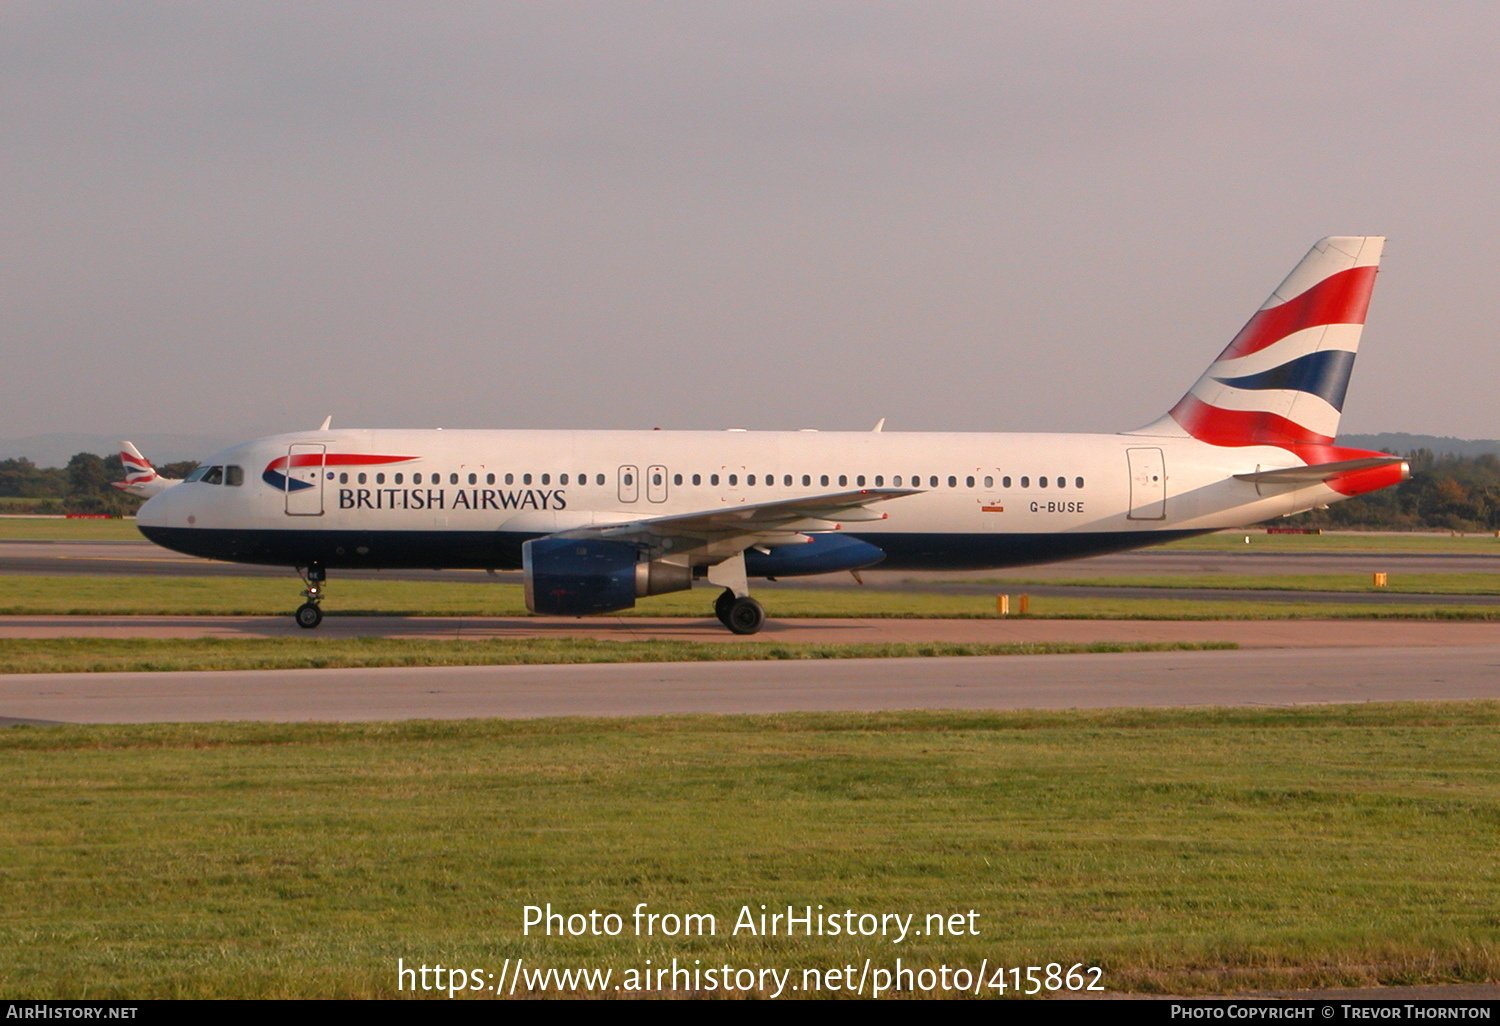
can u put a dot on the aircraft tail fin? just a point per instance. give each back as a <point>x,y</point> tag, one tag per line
<point>138,469</point>
<point>1283,378</point>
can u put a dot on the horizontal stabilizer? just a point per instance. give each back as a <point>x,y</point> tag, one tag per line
<point>1318,471</point>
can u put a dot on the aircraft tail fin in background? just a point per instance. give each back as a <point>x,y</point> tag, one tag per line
<point>138,469</point>
<point>141,478</point>
<point>1283,378</point>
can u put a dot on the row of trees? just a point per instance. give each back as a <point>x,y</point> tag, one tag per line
<point>1455,493</point>
<point>83,486</point>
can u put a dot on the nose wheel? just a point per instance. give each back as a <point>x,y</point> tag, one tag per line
<point>310,613</point>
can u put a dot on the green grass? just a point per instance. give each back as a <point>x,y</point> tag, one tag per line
<point>254,596</point>
<point>1348,541</point>
<point>92,655</point>
<point>60,529</point>
<point>1201,851</point>
<point>1406,584</point>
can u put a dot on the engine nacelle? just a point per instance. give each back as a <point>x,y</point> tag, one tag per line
<point>580,576</point>
<point>825,554</point>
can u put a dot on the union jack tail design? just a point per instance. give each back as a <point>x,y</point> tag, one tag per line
<point>1282,380</point>
<point>138,469</point>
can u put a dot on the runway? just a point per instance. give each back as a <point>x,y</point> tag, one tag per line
<point>1280,663</point>
<point>1268,676</point>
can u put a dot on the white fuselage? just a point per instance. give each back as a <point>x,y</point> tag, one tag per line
<point>984,500</point>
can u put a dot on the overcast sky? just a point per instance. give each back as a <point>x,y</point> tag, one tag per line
<point>233,218</point>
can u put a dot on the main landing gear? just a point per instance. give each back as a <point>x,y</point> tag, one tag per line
<point>734,607</point>
<point>741,615</point>
<point>309,614</point>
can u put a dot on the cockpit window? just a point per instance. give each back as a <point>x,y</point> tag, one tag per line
<point>209,475</point>
<point>234,476</point>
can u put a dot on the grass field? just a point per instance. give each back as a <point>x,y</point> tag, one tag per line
<point>1408,584</point>
<point>93,655</point>
<point>1198,851</point>
<point>60,529</point>
<point>253,596</point>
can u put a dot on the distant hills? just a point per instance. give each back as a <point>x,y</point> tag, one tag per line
<point>1440,445</point>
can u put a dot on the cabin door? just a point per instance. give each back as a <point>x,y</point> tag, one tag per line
<point>304,479</point>
<point>1148,484</point>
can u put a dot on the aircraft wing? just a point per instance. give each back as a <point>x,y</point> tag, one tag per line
<point>751,523</point>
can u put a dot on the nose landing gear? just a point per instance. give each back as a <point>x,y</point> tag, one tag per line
<point>309,614</point>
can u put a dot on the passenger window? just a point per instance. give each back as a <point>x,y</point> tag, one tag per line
<point>787,481</point>
<point>843,480</point>
<point>932,482</point>
<point>749,480</point>
<point>1062,482</point>
<point>489,479</point>
<point>361,478</point>
<point>598,479</point>
<point>824,480</point>
<point>629,479</point>
<point>400,478</point>
<point>969,482</point>
<point>697,479</point>
<point>453,479</point>
<point>860,480</point>
<point>734,479</point>
<point>806,480</point>
<point>1041,482</point>
<point>546,479</point>
<point>344,477</point>
<point>952,481</point>
<point>989,481</point>
<point>510,479</point>
<point>676,479</point>
<point>380,478</point>
<point>1005,481</point>
<point>1078,482</point>
<point>713,479</point>
<point>879,480</point>
<point>1025,482</point>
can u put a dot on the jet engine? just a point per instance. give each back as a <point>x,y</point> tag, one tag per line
<point>580,576</point>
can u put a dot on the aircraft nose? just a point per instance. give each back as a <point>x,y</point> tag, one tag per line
<point>156,511</point>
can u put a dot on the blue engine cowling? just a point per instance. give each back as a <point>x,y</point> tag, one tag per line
<point>825,554</point>
<point>579,576</point>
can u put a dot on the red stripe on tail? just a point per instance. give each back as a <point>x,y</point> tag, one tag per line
<point>1342,298</point>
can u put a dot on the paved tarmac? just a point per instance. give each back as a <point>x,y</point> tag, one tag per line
<point>834,631</point>
<point>1414,662</point>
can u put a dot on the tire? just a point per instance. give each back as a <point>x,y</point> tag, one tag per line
<point>308,616</point>
<point>722,604</point>
<point>745,616</point>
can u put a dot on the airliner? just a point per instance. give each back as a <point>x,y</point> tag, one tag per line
<point>598,519</point>
<point>141,478</point>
